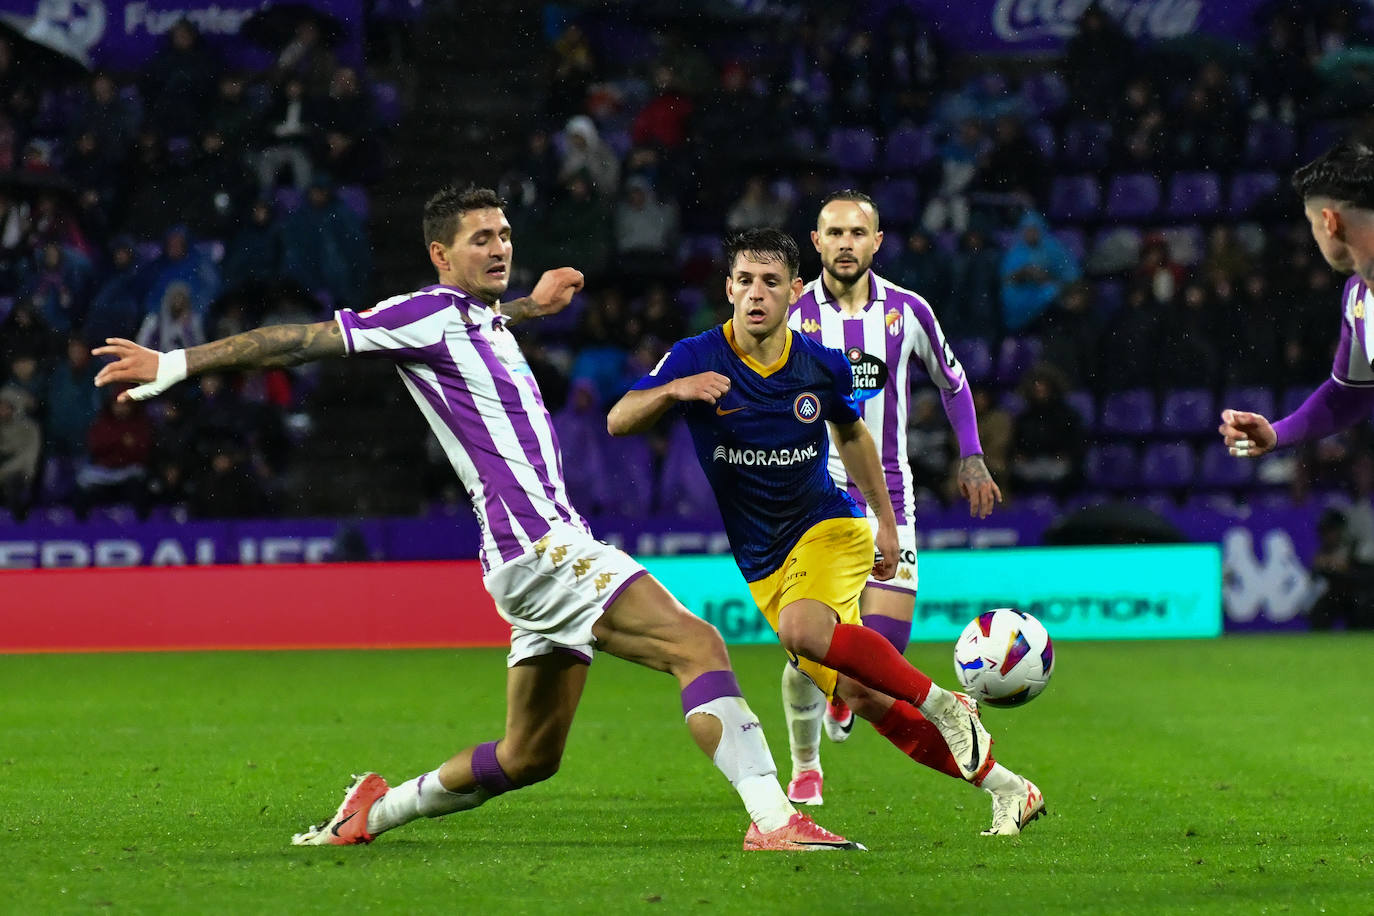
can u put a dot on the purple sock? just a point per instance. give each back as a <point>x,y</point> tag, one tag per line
<point>487,769</point>
<point>710,686</point>
<point>897,632</point>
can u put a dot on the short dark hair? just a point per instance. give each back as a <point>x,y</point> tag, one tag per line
<point>767,242</point>
<point>1345,173</point>
<point>849,194</point>
<point>444,211</point>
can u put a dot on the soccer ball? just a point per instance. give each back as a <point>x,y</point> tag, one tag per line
<point>1004,657</point>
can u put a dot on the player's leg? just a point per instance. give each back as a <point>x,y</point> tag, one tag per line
<point>803,706</point>
<point>646,625</point>
<point>542,693</point>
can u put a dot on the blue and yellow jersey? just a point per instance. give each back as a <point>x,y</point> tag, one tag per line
<point>764,445</point>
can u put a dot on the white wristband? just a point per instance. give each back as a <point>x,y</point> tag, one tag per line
<point>171,368</point>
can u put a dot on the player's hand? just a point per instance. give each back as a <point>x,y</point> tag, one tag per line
<point>704,386</point>
<point>1247,435</point>
<point>147,369</point>
<point>977,486</point>
<point>556,289</point>
<point>885,543</point>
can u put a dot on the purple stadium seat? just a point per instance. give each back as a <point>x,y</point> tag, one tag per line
<point>1188,412</point>
<point>1045,92</point>
<point>628,468</point>
<point>1193,195</point>
<point>1128,413</point>
<point>1082,403</point>
<point>1015,356</point>
<point>898,201</point>
<point>1074,240</point>
<point>354,197</point>
<point>908,148</point>
<point>1111,467</point>
<point>1133,196</point>
<point>976,357</point>
<point>1219,469</point>
<point>1254,400</point>
<point>1042,135</point>
<point>1074,198</point>
<point>1270,143</point>
<point>1168,464</point>
<point>854,148</point>
<point>1087,143</point>
<point>1249,190</point>
<point>683,490</point>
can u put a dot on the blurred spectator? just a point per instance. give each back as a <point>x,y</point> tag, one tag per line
<point>663,318</point>
<point>255,253</point>
<point>232,114</point>
<point>662,123</point>
<point>600,356</point>
<point>1188,353</point>
<point>1253,348</point>
<point>218,186</point>
<point>1282,74</point>
<point>1225,255</point>
<point>290,123</point>
<point>1034,270</point>
<point>1346,578</point>
<point>1047,449</point>
<point>645,231</point>
<point>308,58</point>
<point>960,158</point>
<point>1014,165</point>
<point>917,266</point>
<point>585,153</point>
<point>20,442</point>
<point>72,403</point>
<point>117,309</point>
<point>181,261</point>
<point>1098,60</point>
<point>1130,343</point>
<point>119,443</point>
<point>929,446</point>
<point>1157,270</point>
<point>574,67</point>
<point>974,305</point>
<point>1072,331</point>
<point>109,117</point>
<point>227,486</point>
<point>576,230</point>
<point>351,159</point>
<point>910,64</point>
<point>174,326</point>
<point>15,226</point>
<point>153,195</point>
<point>25,385</point>
<point>25,333</point>
<point>179,82</point>
<point>92,168</point>
<point>854,75</point>
<point>995,429</point>
<point>326,247</point>
<point>1307,335</point>
<point>715,122</point>
<point>758,206</point>
<point>58,285</point>
<point>1138,130</point>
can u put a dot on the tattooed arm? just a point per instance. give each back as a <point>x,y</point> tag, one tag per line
<point>269,347</point>
<point>551,294</point>
<point>977,486</point>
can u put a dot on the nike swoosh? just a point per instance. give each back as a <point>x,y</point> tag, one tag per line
<point>973,763</point>
<point>720,411</point>
<point>335,829</point>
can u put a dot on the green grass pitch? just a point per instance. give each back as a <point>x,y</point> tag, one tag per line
<point>1228,776</point>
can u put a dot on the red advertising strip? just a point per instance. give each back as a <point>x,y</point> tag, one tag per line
<point>322,606</point>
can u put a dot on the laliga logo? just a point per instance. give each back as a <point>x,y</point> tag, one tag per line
<point>70,26</point>
<point>1027,20</point>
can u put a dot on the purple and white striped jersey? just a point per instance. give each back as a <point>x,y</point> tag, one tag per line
<point>1351,366</point>
<point>896,328</point>
<point>470,380</point>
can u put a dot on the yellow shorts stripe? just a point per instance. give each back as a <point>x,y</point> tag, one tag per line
<point>830,564</point>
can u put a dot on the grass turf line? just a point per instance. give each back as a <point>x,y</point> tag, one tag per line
<point>1229,776</point>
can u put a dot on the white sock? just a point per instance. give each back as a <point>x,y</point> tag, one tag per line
<point>744,758</point>
<point>936,700</point>
<point>423,796</point>
<point>803,704</point>
<point>1000,779</point>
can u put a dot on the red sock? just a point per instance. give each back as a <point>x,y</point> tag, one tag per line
<point>914,735</point>
<point>867,657</point>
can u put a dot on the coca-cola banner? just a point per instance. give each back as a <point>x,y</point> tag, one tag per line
<point>124,35</point>
<point>1044,25</point>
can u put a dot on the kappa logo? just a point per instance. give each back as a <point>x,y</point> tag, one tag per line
<point>807,407</point>
<point>581,567</point>
<point>602,580</point>
<point>558,553</point>
<point>540,546</point>
<point>1359,309</point>
<point>893,320</point>
<point>904,574</point>
<point>810,326</point>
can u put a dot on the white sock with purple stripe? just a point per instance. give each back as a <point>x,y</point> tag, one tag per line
<point>742,754</point>
<point>423,796</point>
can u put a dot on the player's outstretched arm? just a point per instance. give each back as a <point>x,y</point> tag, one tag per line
<point>552,294</point>
<point>640,409</point>
<point>860,456</point>
<point>277,345</point>
<point>1247,435</point>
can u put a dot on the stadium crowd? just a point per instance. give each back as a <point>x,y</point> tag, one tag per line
<point>1107,238</point>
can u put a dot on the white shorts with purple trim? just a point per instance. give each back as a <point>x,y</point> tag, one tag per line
<point>553,595</point>
<point>905,580</point>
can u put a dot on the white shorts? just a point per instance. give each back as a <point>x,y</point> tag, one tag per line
<point>554,594</point>
<point>905,579</point>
